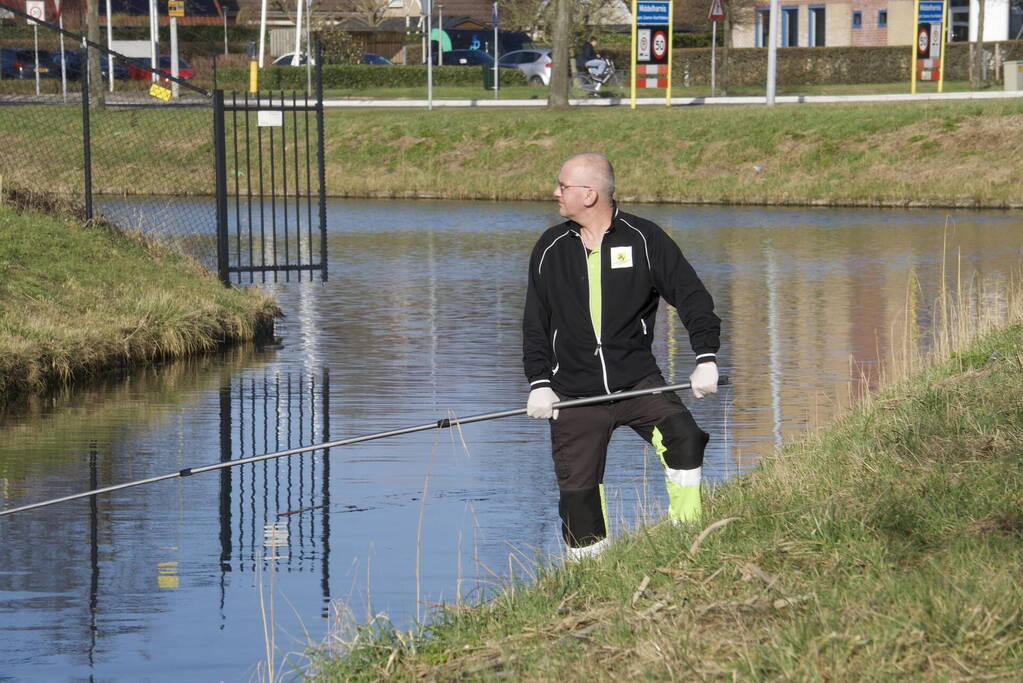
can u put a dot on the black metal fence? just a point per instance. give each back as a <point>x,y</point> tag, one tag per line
<point>235,181</point>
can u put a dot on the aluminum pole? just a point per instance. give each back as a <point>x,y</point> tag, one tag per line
<point>175,70</point>
<point>110,46</point>
<point>154,39</point>
<point>63,56</point>
<point>295,61</point>
<point>443,423</point>
<point>772,52</point>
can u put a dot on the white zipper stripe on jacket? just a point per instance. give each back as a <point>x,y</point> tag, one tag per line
<point>554,350</point>
<point>539,266</point>
<point>645,248</point>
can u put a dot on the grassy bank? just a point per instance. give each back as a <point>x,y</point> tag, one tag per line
<point>880,154</point>
<point>80,300</point>
<point>888,545</point>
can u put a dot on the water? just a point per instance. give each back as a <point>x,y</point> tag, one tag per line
<point>419,320</point>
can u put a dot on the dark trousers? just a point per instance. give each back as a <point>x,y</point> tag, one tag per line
<point>579,439</point>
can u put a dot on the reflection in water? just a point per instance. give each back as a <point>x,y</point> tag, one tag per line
<point>420,320</point>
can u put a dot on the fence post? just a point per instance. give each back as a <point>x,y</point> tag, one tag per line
<point>86,138</point>
<point>320,161</point>
<point>220,163</point>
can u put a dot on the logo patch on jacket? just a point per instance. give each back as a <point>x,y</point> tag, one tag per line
<point>621,257</point>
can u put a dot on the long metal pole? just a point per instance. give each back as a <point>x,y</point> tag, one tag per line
<point>110,44</point>
<point>772,51</point>
<point>443,423</point>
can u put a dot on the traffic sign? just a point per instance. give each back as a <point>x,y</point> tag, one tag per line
<point>717,11</point>
<point>176,8</point>
<point>36,10</point>
<point>652,12</point>
<point>660,44</point>
<point>931,11</point>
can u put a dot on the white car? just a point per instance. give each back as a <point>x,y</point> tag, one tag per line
<point>288,59</point>
<point>535,63</point>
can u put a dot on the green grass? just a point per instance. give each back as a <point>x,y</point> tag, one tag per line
<point>80,300</point>
<point>871,154</point>
<point>888,545</point>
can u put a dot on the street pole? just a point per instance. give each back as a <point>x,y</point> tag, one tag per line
<point>110,40</point>
<point>63,57</point>
<point>154,38</point>
<point>772,52</point>
<point>440,35</point>
<point>496,54</point>
<point>35,32</point>
<point>429,55</point>
<point>175,71</point>
<point>713,58</point>
<point>298,37</point>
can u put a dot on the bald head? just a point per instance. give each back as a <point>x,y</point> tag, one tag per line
<point>594,170</point>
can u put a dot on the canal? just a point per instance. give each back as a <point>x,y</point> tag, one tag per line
<point>419,320</point>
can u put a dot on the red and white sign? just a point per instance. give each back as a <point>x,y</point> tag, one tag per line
<point>660,45</point>
<point>717,11</point>
<point>643,45</point>
<point>36,9</point>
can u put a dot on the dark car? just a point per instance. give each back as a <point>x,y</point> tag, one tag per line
<point>73,65</point>
<point>21,63</point>
<point>373,58</point>
<point>465,58</point>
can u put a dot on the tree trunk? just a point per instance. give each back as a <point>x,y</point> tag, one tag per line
<point>979,46</point>
<point>560,67</point>
<point>97,94</point>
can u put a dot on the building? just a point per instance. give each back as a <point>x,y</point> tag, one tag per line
<point>845,23</point>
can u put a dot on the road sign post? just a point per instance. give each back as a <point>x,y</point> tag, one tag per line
<point>717,12</point>
<point>36,9</point>
<point>651,47</point>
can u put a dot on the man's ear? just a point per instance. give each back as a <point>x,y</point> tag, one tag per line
<point>591,200</point>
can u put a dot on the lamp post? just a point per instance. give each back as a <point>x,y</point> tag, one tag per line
<point>440,35</point>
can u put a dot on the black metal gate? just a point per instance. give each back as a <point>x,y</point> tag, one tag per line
<point>271,196</point>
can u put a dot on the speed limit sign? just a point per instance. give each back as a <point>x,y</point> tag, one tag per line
<point>660,45</point>
<point>36,10</point>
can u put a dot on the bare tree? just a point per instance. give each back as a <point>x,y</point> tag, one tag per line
<point>561,31</point>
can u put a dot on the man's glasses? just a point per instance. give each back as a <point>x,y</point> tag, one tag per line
<point>562,186</point>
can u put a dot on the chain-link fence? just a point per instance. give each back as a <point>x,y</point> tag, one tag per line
<point>108,135</point>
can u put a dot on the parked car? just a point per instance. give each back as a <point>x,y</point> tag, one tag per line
<point>465,58</point>
<point>138,70</point>
<point>535,63</point>
<point>288,57</point>
<point>373,58</point>
<point>73,65</point>
<point>21,63</point>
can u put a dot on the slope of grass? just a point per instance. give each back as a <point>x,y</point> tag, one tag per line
<point>951,153</point>
<point>78,300</point>
<point>888,545</point>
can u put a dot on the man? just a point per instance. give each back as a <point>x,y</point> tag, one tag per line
<point>591,302</point>
<point>589,60</point>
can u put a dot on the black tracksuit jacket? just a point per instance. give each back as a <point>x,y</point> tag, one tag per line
<point>559,346</point>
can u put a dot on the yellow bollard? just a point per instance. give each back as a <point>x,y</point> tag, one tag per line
<point>253,76</point>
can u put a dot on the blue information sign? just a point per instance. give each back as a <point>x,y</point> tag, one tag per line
<point>654,12</point>
<point>931,11</point>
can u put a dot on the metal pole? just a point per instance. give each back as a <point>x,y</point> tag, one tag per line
<point>35,32</point>
<point>443,423</point>
<point>63,57</point>
<point>429,61</point>
<point>772,52</point>
<point>321,172</point>
<point>175,71</point>
<point>110,45</point>
<point>223,11</point>
<point>713,58</point>
<point>86,130</point>
<point>154,39</point>
<point>440,35</point>
<point>295,61</point>
<point>262,31</point>
<point>220,169</point>
<point>497,54</point>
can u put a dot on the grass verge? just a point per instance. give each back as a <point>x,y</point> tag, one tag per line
<point>887,545</point>
<point>949,153</point>
<point>79,300</point>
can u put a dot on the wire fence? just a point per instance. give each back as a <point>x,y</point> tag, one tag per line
<point>109,136</point>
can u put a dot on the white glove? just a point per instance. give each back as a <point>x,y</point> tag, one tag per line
<point>540,402</point>
<point>704,379</point>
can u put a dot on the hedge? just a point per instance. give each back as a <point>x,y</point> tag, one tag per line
<point>351,76</point>
<point>821,65</point>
